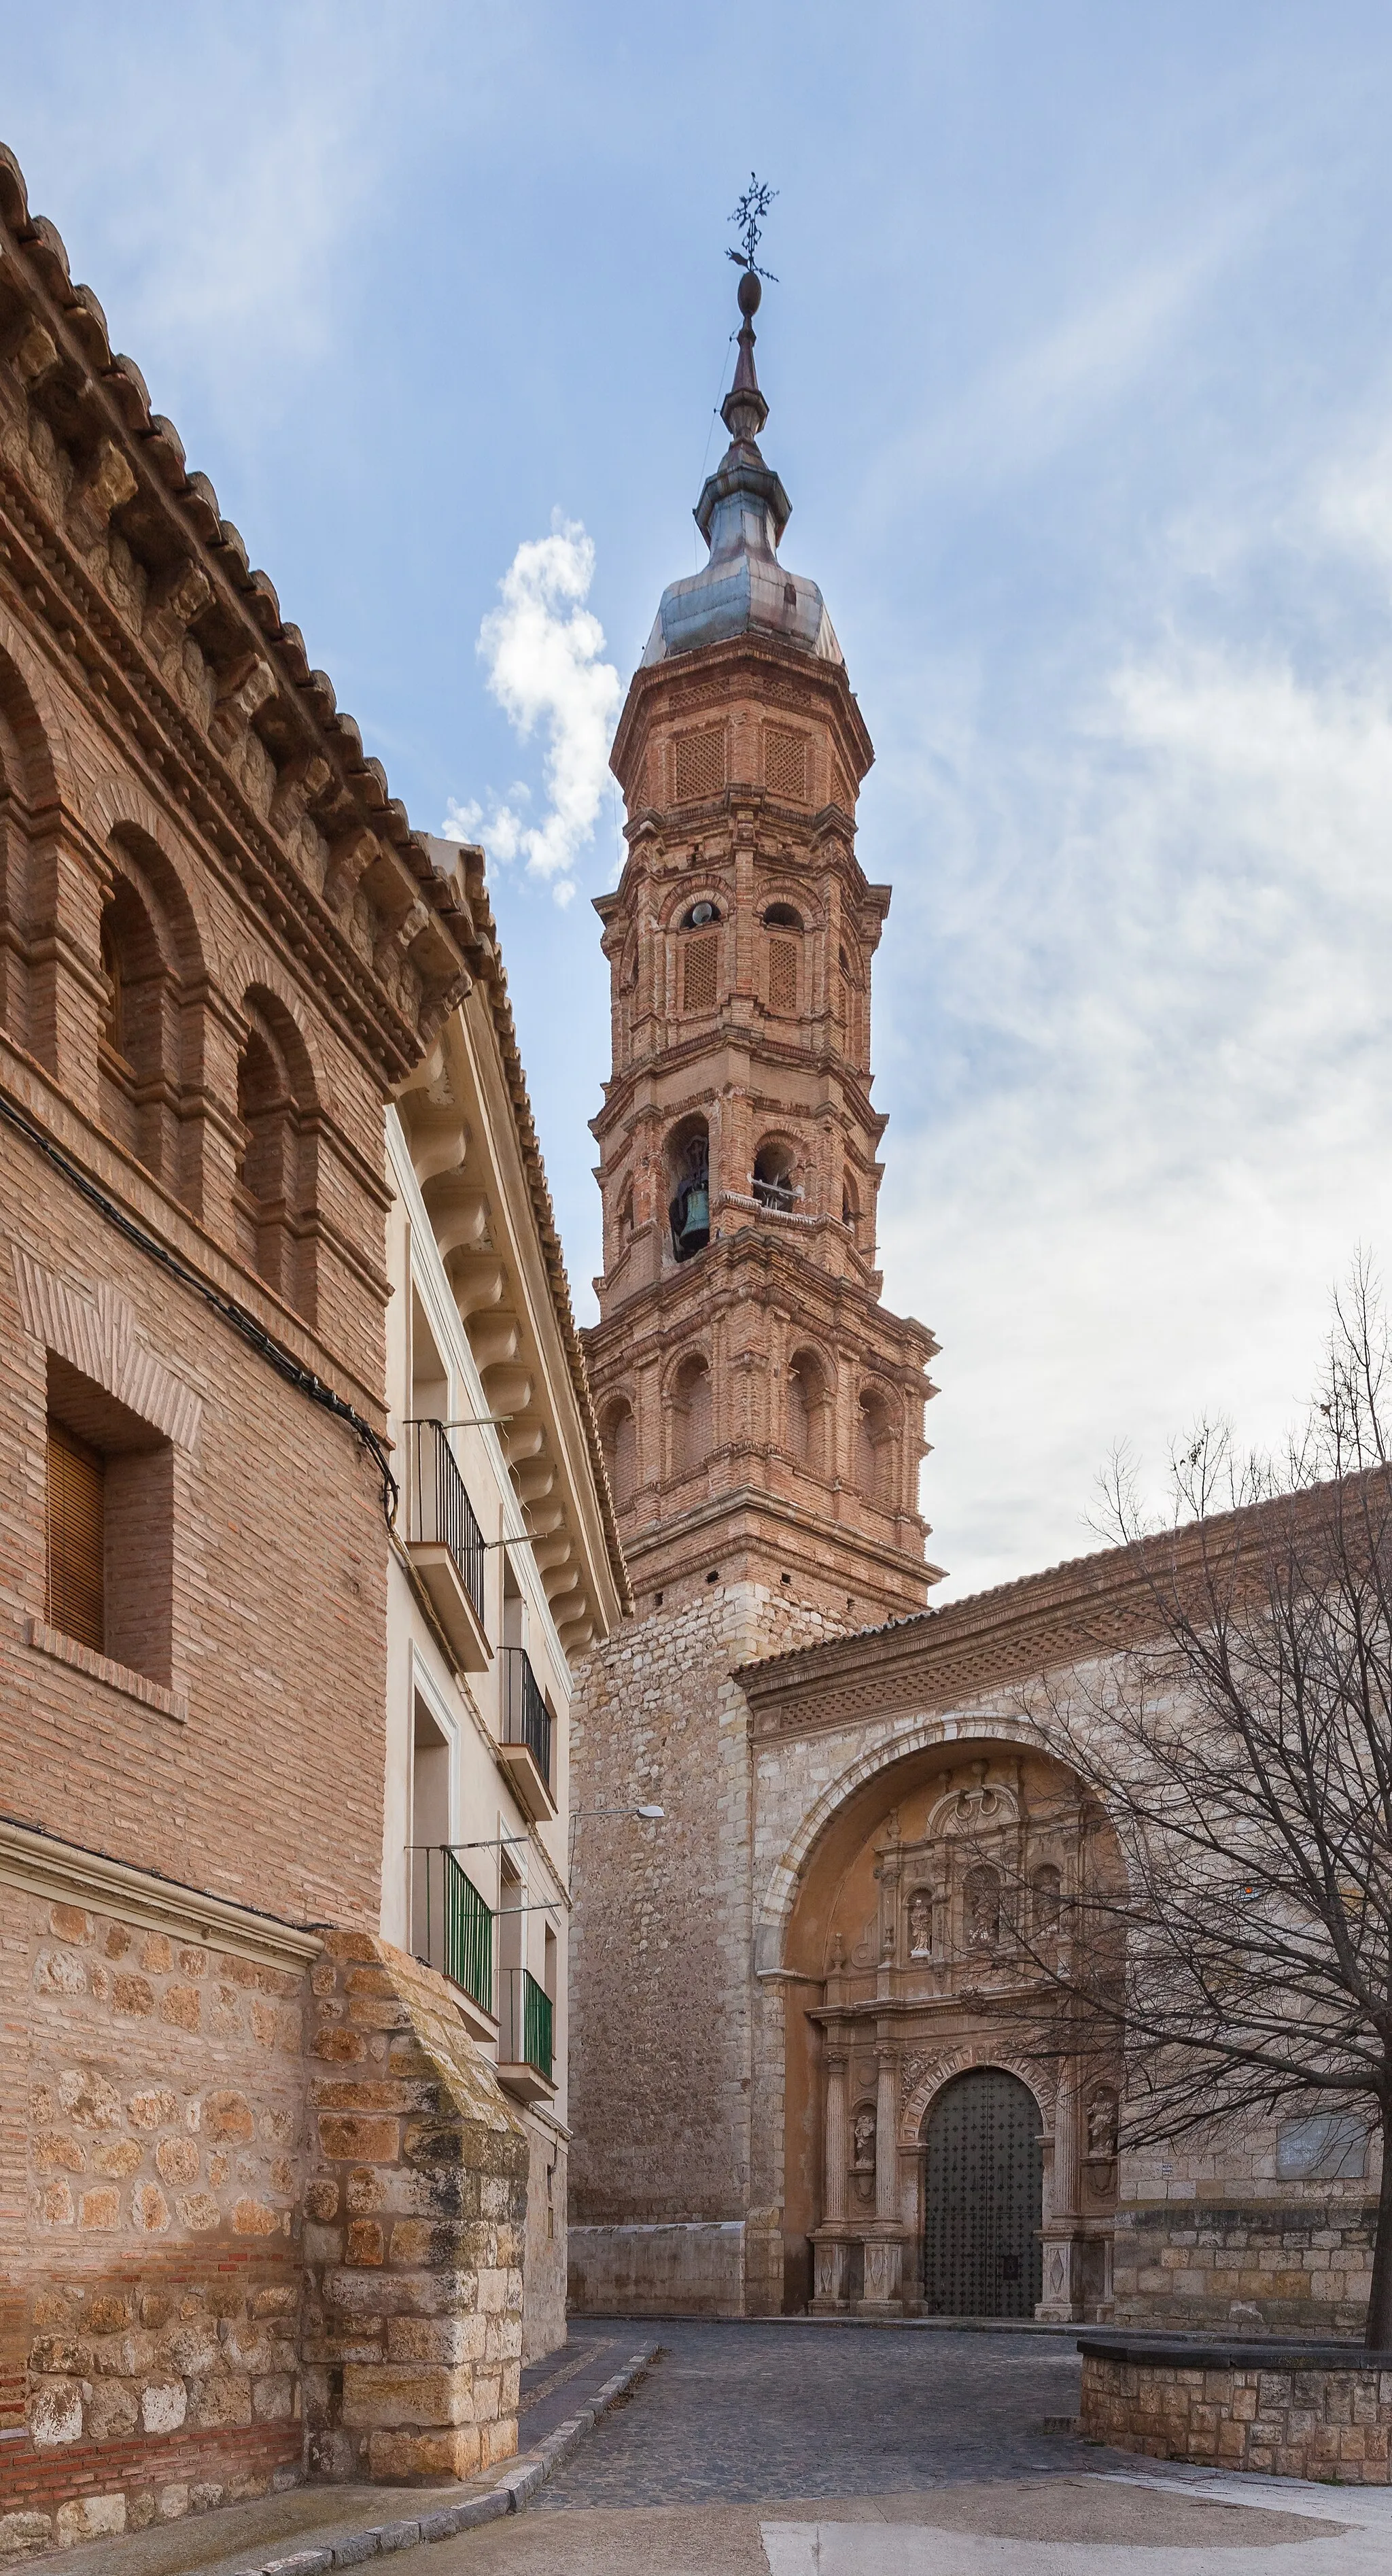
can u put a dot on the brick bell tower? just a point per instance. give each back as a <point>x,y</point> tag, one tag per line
<point>761,1410</point>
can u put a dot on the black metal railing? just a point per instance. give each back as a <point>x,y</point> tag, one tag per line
<point>453,1925</point>
<point>528,2017</point>
<point>441,1512</point>
<point>526,1717</point>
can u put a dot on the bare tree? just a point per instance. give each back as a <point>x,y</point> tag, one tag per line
<point>1241,1748</point>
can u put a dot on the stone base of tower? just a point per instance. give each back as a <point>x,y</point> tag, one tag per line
<point>669,2195</point>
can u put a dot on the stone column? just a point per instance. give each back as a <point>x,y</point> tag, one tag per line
<point>886,2140</point>
<point>834,2172</point>
<point>1062,2249</point>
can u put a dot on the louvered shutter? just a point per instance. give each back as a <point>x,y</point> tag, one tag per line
<point>783,977</point>
<point>76,1539</point>
<point>700,958</point>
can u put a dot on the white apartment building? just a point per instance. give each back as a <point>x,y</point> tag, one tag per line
<point>505,1562</point>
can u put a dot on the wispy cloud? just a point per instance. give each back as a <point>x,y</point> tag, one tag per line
<point>542,648</point>
<point>1167,934</point>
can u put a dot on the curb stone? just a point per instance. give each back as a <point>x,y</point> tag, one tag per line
<point>508,2495</point>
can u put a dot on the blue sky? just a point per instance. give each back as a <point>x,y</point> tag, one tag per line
<point>1080,367</point>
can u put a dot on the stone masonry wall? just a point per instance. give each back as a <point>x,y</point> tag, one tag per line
<point>660,1937</point>
<point>1333,2425</point>
<point>1289,2266</point>
<point>154,2173</point>
<point>544,2271</point>
<point>417,2201</point>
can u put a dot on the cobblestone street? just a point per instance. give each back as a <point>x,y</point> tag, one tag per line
<point>780,2450</point>
<point>744,2414</point>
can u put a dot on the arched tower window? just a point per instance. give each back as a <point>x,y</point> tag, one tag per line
<point>691,1414</point>
<point>774,1183</point>
<point>784,963</point>
<point>688,1187</point>
<point>875,1447</point>
<point>807,1395</point>
<point>699,959</point>
<point>619,1433</point>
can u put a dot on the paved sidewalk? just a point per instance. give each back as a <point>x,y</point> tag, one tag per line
<point>309,2530</point>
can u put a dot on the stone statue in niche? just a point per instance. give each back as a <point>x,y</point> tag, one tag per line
<point>1047,1890</point>
<point>863,2152</point>
<point>920,1924</point>
<point>981,1895</point>
<point>1102,2128</point>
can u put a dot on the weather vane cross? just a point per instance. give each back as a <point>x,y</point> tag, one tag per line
<point>750,215</point>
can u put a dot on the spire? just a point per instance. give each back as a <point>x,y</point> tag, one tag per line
<point>744,410</point>
<point>742,513</point>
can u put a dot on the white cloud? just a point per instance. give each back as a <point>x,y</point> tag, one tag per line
<point>542,647</point>
<point>1166,941</point>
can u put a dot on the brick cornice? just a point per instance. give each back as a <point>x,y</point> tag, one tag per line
<point>128,472</point>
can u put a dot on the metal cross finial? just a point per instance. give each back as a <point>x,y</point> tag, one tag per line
<point>750,216</point>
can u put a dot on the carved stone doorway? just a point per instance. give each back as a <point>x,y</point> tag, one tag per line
<point>983,2198</point>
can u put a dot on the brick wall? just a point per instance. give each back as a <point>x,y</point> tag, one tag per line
<point>278,1644</point>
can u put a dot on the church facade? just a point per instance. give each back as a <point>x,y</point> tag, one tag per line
<point>799,2071</point>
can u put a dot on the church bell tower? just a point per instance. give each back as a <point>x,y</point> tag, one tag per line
<point>762,1412</point>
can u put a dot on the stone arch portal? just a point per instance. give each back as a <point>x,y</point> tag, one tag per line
<point>899,1986</point>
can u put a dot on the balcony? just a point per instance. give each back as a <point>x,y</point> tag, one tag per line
<point>453,1931</point>
<point>525,2041</point>
<point>446,1544</point>
<point>524,1747</point>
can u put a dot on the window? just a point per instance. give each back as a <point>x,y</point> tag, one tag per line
<point>773,1177</point>
<point>783,976</point>
<point>76,1601</point>
<point>688,1181</point>
<point>698,764</point>
<point>700,972</point>
<point>620,1438</point>
<point>785,763</point>
<point>691,1414</point>
<point>109,1526</point>
<point>806,1408</point>
<point>874,1448</point>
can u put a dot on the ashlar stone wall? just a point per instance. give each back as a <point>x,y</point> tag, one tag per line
<point>417,2201</point>
<point>662,1997</point>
